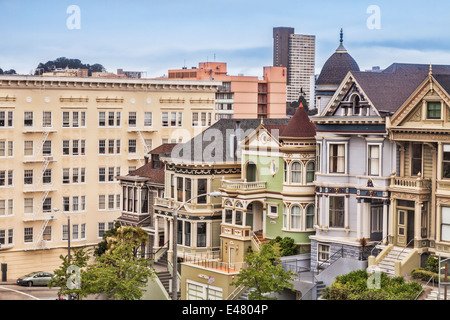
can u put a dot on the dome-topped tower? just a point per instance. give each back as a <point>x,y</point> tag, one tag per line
<point>333,72</point>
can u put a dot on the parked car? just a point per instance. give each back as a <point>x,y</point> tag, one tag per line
<point>39,278</point>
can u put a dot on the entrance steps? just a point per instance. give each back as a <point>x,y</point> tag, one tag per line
<point>387,263</point>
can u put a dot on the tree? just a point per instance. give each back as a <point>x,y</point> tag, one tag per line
<point>63,62</point>
<point>264,273</point>
<point>118,273</point>
<point>102,246</point>
<point>71,274</point>
<point>287,245</point>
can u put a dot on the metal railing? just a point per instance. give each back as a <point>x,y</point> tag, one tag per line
<point>329,261</point>
<point>377,244</point>
<point>405,247</point>
<point>418,295</point>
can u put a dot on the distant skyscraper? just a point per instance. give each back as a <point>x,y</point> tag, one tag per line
<point>296,52</point>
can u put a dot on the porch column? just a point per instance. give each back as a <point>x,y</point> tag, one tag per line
<point>346,210</point>
<point>438,222</point>
<point>417,220</point>
<point>166,230</point>
<point>392,220</point>
<point>385,222</point>
<point>244,217</point>
<point>358,219</point>
<point>156,240</point>
<point>366,220</point>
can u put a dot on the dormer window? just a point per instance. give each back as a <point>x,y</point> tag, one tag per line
<point>433,110</point>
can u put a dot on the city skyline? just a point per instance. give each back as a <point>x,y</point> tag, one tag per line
<point>155,36</point>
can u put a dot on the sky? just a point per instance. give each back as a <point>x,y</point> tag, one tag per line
<point>155,36</point>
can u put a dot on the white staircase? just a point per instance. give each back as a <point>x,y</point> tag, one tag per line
<point>387,265</point>
<point>433,295</point>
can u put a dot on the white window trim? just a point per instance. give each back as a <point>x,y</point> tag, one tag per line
<point>380,157</point>
<point>345,143</point>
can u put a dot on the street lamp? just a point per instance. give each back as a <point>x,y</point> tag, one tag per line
<point>174,240</point>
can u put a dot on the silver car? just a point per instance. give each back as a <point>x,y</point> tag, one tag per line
<point>39,278</point>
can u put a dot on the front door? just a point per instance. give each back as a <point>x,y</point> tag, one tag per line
<point>376,223</point>
<point>405,227</point>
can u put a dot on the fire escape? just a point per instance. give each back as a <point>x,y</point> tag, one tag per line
<point>37,188</point>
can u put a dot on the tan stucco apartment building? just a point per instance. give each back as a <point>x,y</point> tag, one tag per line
<point>63,142</point>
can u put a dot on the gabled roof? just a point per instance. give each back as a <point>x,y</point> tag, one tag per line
<point>389,89</point>
<point>155,175</point>
<point>219,142</point>
<point>300,126</point>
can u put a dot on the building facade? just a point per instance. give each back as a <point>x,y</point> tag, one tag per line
<point>240,96</point>
<point>357,159</point>
<point>65,140</point>
<point>296,52</point>
<point>419,186</point>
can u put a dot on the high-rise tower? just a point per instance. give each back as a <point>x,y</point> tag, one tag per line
<point>296,52</point>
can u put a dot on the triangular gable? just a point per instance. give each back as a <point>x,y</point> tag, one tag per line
<point>411,111</point>
<point>255,139</point>
<point>346,89</point>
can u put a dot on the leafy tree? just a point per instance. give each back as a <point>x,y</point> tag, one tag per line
<point>63,62</point>
<point>71,274</point>
<point>264,273</point>
<point>287,245</point>
<point>102,246</point>
<point>10,71</point>
<point>118,273</point>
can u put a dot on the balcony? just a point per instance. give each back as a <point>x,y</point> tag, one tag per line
<point>241,185</point>
<point>215,265</point>
<point>236,231</point>
<point>190,207</point>
<point>411,184</point>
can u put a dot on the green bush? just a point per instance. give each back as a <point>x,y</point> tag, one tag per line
<point>353,286</point>
<point>288,246</point>
<point>425,275</point>
<point>432,264</point>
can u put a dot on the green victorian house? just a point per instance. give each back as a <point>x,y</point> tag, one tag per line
<point>275,195</point>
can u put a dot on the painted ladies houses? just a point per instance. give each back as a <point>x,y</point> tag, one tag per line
<point>420,185</point>
<point>275,195</point>
<point>355,163</point>
<point>140,188</point>
<point>193,170</point>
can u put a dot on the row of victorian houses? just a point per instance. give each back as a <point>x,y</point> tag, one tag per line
<point>367,176</point>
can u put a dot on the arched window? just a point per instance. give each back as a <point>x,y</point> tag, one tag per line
<point>296,215</point>
<point>310,216</point>
<point>251,171</point>
<point>296,172</point>
<point>310,172</point>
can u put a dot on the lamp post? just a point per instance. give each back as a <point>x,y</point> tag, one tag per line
<point>175,238</point>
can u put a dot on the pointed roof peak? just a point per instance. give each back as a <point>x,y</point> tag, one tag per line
<point>341,48</point>
<point>300,126</point>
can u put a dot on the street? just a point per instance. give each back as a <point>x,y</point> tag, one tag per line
<point>15,292</point>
